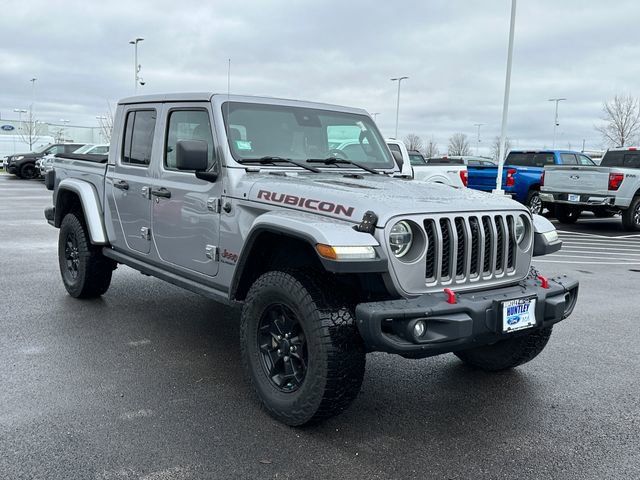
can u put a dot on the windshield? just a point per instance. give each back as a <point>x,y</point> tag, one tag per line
<point>256,131</point>
<point>42,149</point>
<point>84,149</point>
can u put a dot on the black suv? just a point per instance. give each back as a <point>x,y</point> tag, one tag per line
<point>23,165</point>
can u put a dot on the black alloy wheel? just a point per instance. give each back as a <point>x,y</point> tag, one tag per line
<point>283,347</point>
<point>72,256</point>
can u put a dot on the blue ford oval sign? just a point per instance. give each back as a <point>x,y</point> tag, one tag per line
<point>7,128</point>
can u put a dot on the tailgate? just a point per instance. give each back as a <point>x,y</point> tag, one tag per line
<point>482,178</point>
<point>576,179</point>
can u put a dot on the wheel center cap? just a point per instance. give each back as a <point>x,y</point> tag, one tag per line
<point>285,346</point>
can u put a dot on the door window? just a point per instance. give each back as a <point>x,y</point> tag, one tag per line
<point>568,159</point>
<point>188,125</point>
<point>584,160</point>
<point>138,137</point>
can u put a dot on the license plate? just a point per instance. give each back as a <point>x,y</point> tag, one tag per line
<point>518,314</point>
<point>574,198</point>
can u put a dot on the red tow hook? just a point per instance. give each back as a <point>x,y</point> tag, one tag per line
<point>451,296</point>
<point>544,282</point>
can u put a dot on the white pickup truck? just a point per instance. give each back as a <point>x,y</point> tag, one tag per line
<point>416,167</point>
<point>613,187</point>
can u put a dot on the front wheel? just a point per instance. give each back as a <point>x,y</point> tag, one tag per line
<point>86,273</point>
<point>300,347</point>
<point>28,171</point>
<point>507,353</point>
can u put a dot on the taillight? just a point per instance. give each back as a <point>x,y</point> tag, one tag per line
<point>511,181</point>
<point>615,179</point>
<point>542,179</point>
<point>464,176</point>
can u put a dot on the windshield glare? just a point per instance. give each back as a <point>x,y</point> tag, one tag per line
<point>256,131</point>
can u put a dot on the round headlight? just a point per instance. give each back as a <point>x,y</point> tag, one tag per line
<point>400,238</point>
<point>521,229</point>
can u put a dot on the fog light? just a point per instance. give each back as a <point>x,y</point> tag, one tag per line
<point>419,328</point>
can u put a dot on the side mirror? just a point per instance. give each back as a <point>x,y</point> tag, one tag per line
<point>398,158</point>
<point>545,237</point>
<point>192,155</point>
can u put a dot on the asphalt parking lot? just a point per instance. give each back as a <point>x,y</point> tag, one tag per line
<point>146,382</point>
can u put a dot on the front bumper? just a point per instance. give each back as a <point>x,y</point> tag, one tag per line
<point>474,320</point>
<point>11,168</point>
<point>584,199</point>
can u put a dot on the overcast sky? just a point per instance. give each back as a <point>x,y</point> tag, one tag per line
<point>340,52</point>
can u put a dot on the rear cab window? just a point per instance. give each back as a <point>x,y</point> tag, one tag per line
<point>530,159</point>
<point>416,160</point>
<point>138,137</point>
<point>621,158</point>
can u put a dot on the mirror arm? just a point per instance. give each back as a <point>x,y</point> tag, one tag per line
<point>208,176</point>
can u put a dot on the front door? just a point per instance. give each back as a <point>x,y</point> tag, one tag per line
<point>186,211</point>
<point>129,178</point>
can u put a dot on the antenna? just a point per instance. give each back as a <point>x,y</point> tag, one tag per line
<point>226,123</point>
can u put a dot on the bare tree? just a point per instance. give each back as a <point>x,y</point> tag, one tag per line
<point>431,150</point>
<point>459,145</point>
<point>105,123</point>
<point>413,142</point>
<point>622,121</point>
<point>30,130</point>
<point>495,147</point>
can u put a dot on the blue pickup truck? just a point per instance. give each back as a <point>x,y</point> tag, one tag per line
<point>522,173</point>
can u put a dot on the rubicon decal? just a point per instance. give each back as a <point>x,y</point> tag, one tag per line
<point>307,203</point>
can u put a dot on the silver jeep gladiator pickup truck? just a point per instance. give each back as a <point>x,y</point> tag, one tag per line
<point>248,200</point>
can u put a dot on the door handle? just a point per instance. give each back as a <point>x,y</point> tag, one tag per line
<point>121,185</point>
<point>161,192</point>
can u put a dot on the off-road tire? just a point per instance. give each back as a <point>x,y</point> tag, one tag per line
<point>507,353</point>
<point>92,269</point>
<point>567,215</point>
<point>336,355</point>
<point>534,203</point>
<point>28,171</point>
<point>631,216</point>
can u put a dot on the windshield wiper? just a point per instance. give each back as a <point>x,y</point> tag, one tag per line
<point>272,160</point>
<point>344,161</point>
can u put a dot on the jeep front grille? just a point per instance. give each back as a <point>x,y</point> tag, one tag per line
<point>467,248</point>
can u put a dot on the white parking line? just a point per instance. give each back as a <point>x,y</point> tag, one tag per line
<point>595,249</point>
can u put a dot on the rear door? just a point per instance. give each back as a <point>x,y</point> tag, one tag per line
<point>129,178</point>
<point>186,210</point>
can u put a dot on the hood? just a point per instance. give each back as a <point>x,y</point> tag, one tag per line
<point>26,155</point>
<point>348,198</point>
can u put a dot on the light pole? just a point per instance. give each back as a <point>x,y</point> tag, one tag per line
<point>64,129</point>
<point>555,121</point>
<point>505,104</point>
<point>33,91</point>
<point>19,111</point>
<point>399,80</point>
<point>136,66</point>
<point>478,144</point>
<point>375,116</point>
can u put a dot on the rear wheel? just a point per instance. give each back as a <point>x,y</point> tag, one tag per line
<point>631,216</point>
<point>28,171</point>
<point>566,214</point>
<point>534,203</point>
<point>507,353</point>
<point>86,273</point>
<point>300,347</point>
